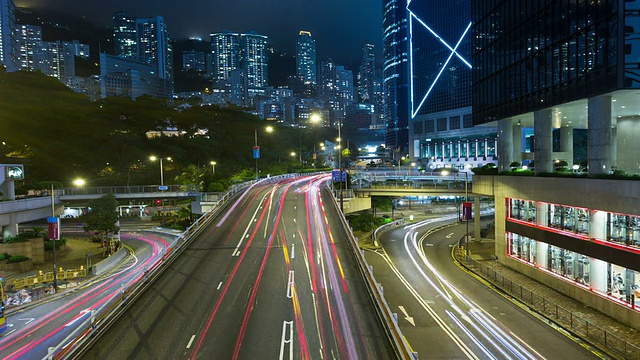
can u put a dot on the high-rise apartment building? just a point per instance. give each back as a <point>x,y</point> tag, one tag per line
<point>306,58</point>
<point>9,51</point>
<point>548,71</point>
<point>366,74</point>
<point>225,54</point>
<point>125,38</point>
<point>395,73</point>
<point>29,36</point>
<point>154,45</point>
<point>55,58</point>
<point>194,61</point>
<point>254,59</point>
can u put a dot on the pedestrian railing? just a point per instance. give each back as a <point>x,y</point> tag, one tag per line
<point>564,317</point>
<point>42,278</point>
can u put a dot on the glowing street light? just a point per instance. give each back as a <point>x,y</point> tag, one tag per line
<point>256,148</point>
<point>213,167</point>
<point>154,158</point>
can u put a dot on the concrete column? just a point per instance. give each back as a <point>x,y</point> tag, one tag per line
<point>541,214</point>
<point>505,144</point>
<point>543,152</point>
<point>566,144</point>
<point>459,149</point>
<point>495,147</point>
<point>599,135</point>
<point>517,144</point>
<point>442,146</point>
<point>627,144</point>
<point>486,148</point>
<point>598,275</point>
<point>542,254</point>
<point>614,147</point>
<point>598,224</point>
<point>467,148</point>
<point>475,154</point>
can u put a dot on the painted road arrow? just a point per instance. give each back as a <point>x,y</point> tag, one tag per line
<point>406,316</point>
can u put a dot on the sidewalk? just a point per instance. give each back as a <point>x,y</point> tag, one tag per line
<point>576,318</point>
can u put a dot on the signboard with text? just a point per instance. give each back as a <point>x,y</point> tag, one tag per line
<point>335,176</point>
<point>466,211</point>
<point>54,227</point>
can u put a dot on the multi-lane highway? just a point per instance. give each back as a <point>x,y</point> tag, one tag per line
<point>446,313</point>
<point>272,277</point>
<point>33,330</point>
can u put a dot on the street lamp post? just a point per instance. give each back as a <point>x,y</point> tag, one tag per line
<point>153,158</point>
<point>213,168</point>
<point>53,215</point>
<point>466,199</point>
<point>256,148</point>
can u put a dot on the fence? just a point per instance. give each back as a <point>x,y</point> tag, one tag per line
<point>41,278</point>
<point>566,318</point>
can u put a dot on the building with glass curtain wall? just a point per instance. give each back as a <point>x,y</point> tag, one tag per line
<point>395,78</point>
<point>124,35</point>
<point>9,51</point>
<point>544,72</point>
<point>441,133</point>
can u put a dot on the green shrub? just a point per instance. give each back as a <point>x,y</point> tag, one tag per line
<point>48,244</point>
<point>15,239</point>
<point>2,257</point>
<point>17,259</point>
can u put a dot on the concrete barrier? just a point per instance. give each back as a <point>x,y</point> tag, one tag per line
<point>110,262</point>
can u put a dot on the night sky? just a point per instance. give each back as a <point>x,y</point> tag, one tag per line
<point>340,27</point>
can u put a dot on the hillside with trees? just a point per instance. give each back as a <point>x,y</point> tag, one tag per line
<point>59,135</point>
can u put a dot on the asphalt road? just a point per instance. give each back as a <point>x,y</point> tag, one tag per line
<point>272,277</point>
<point>444,312</point>
<point>36,328</point>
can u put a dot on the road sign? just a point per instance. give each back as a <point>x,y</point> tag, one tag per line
<point>163,188</point>
<point>335,175</point>
<point>256,152</point>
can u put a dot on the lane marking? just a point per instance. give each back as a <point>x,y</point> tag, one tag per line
<point>284,340</point>
<point>28,320</point>
<point>191,341</point>
<point>406,316</point>
<point>293,248</point>
<point>290,284</point>
<point>218,288</point>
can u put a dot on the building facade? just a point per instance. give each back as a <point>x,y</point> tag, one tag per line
<point>194,61</point>
<point>366,74</point>
<point>306,58</point>
<point>395,73</point>
<point>125,38</point>
<point>254,59</point>
<point>441,130</point>
<point>9,51</point>
<point>29,36</point>
<point>154,46</point>
<point>548,71</point>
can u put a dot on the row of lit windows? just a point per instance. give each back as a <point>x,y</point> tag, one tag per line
<point>622,229</point>
<point>610,280</point>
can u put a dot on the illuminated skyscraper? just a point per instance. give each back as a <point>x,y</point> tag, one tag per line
<point>8,43</point>
<point>28,38</point>
<point>124,34</point>
<point>225,51</point>
<point>154,45</point>
<point>395,73</point>
<point>366,74</point>
<point>306,58</point>
<point>253,59</point>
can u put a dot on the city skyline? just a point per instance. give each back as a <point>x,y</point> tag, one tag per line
<point>353,24</point>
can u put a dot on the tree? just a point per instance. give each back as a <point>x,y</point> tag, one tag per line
<point>192,175</point>
<point>103,217</point>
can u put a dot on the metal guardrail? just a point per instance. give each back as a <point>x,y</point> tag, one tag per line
<point>557,313</point>
<point>103,190</point>
<point>90,330</point>
<point>402,348</point>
